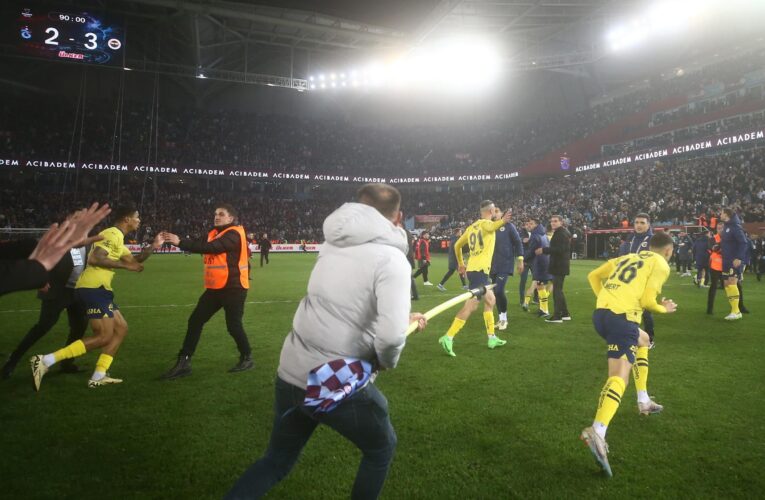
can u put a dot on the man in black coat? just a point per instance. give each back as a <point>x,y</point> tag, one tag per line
<point>56,296</point>
<point>560,266</point>
<point>265,247</point>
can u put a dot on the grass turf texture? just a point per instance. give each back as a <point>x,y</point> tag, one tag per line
<point>486,424</point>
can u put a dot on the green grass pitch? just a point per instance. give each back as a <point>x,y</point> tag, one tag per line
<point>486,424</point>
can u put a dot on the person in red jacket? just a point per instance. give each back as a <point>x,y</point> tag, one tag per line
<point>422,254</point>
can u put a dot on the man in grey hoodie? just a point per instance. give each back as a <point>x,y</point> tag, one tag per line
<point>356,312</point>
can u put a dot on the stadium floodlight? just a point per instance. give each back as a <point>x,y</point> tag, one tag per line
<point>332,76</point>
<point>334,85</point>
<point>313,85</point>
<point>201,75</point>
<point>342,76</point>
<point>310,78</point>
<point>324,85</point>
<point>321,77</point>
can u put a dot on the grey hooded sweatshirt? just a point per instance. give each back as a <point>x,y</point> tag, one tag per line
<point>357,305</point>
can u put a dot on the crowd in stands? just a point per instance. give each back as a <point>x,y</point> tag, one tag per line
<point>672,193</point>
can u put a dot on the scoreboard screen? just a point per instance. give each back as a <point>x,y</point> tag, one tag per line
<point>61,34</point>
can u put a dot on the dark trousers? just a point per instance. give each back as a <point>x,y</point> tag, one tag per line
<point>449,275</point>
<point>500,279</point>
<point>211,301</point>
<point>522,285</point>
<point>701,267</point>
<point>422,268</point>
<point>50,311</point>
<point>263,256</point>
<point>560,308</point>
<point>363,420</point>
<point>715,281</point>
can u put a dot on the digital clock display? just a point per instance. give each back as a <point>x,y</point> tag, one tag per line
<point>70,36</point>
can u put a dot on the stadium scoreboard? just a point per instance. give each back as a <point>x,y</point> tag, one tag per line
<point>63,34</point>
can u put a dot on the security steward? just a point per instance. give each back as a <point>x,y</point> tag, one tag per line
<point>715,267</point>
<point>226,276</point>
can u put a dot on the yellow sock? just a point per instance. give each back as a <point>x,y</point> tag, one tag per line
<point>732,292</point>
<point>103,363</point>
<point>488,320</point>
<point>457,325</point>
<point>543,297</point>
<point>527,299</point>
<point>640,369</point>
<point>610,398</point>
<point>76,348</point>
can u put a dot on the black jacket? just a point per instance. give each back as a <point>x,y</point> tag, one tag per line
<point>265,245</point>
<point>17,272</point>
<point>229,243</point>
<point>560,252</point>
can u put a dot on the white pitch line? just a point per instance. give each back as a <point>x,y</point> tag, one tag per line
<point>153,306</point>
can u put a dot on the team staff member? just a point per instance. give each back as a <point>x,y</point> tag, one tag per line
<point>422,254</point>
<point>539,264</point>
<point>452,262</point>
<point>479,237</point>
<point>226,284</point>
<point>507,250</point>
<point>560,267</point>
<point>265,247</point>
<point>55,297</point>
<point>701,257</point>
<point>94,290</point>
<point>638,243</point>
<point>734,247</point>
<point>632,283</point>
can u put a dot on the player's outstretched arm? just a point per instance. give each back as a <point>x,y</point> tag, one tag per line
<point>99,257</point>
<point>147,251</point>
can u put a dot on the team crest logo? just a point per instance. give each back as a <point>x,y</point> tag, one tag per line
<point>502,228</point>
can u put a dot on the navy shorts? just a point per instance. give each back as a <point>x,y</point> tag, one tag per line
<point>98,302</point>
<point>620,335</point>
<point>731,272</point>
<point>477,279</point>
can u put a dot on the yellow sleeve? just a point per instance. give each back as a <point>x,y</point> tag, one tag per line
<point>600,274</point>
<point>125,251</point>
<point>106,242</point>
<point>461,242</point>
<point>490,226</point>
<point>659,275</point>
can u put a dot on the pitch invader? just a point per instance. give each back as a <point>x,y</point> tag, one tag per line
<point>632,283</point>
<point>507,250</point>
<point>479,237</point>
<point>94,290</point>
<point>637,243</point>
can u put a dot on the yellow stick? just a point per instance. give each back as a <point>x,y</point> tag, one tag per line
<point>459,299</point>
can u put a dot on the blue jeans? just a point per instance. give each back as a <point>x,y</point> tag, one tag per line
<point>362,419</point>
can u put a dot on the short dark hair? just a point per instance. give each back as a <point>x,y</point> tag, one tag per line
<point>485,204</point>
<point>384,197</point>
<point>643,215</point>
<point>124,211</point>
<point>532,218</point>
<point>728,211</point>
<point>660,240</point>
<point>556,216</point>
<point>228,208</point>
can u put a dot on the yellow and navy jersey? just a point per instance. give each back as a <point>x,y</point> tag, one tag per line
<point>479,237</point>
<point>114,244</point>
<point>632,283</point>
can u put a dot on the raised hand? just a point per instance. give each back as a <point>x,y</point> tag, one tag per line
<point>669,304</point>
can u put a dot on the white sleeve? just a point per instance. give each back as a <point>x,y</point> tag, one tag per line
<point>392,282</point>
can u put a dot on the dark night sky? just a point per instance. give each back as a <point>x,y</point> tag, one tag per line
<point>404,15</point>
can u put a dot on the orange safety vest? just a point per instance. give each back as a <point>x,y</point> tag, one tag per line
<point>715,258</point>
<point>216,264</point>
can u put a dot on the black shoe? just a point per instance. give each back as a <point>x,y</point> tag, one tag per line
<point>68,366</point>
<point>543,315</point>
<point>245,363</point>
<point>182,368</point>
<point>554,320</point>
<point>743,310</point>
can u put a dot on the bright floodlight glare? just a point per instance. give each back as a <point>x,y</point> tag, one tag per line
<point>324,85</point>
<point>342,75</point>
<point>310,78</point>
<point>332,76</point>
<point>313,85</point>
<point>321,77</point>
<point>334,84</point>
